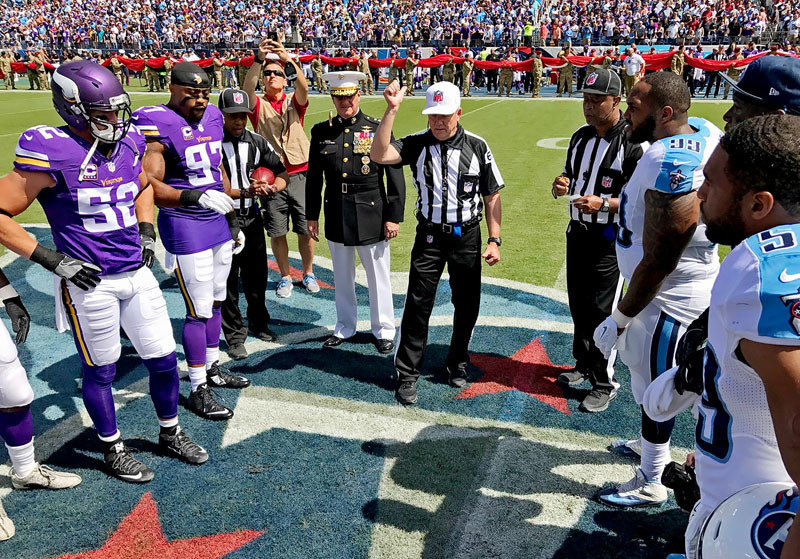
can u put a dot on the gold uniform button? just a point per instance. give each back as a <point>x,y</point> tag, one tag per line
<point>346,130</point>
<point>344,160</point>
<point>346,145</point>
<point>344,174</point>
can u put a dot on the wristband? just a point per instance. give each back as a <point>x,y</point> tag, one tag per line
<point>621,319</point>
<point>146,229</point>
<point>46,258</point>
<point>190,197</point>
<point>256,59</point>
<point>8,292</point>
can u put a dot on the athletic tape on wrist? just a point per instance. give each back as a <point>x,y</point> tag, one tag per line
<point>622,320</point>
<point>8,292</point>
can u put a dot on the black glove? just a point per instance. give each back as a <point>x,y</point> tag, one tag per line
<point>147,237</point>
<point>689,356</point>
<point>83,274</point>
<point>235,225</point>
<point>683,482</point>
<point>20,319</point>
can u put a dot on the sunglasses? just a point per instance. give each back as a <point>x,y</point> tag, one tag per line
<point>278,73</point>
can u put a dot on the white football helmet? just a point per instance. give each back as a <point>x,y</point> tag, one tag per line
<point>750,524</point>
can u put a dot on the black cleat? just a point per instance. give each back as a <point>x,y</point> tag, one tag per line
<point>220,378</point>
<point>202,402</point>
<point>179,445</point>
<point>119,463</point>
<point>406,393</point>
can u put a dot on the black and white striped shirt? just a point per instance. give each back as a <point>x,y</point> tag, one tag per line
<point>469,170</point>
<point>241,156</point>
<point>600,166</point>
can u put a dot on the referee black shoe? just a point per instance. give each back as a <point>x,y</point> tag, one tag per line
<point>406,393</point>
<point>220,378</point>
<point>573,377</point>
<point>457,378</point>
<point>174,442</point>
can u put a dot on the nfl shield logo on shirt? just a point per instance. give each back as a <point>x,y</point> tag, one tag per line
<point>238,98</point>
<point>187,133</point>
<point>607,182</point>
<point>90,173</point>
<point>429,239</point>
<point>468,186</point>
<point>591,79</point>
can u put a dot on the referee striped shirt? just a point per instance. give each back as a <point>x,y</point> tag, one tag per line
<point>600,166</point>
<point>241,156</point>
<point>450,176</point>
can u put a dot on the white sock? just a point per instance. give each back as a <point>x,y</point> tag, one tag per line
<point>166,423</point>
<point>655,458</point>
<point>212,356</point>
<point>110,439</point>
<point>197,376</point>
<point>22,459</point>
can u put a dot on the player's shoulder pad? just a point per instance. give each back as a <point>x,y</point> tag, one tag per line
<point>151,119</point>
<point>767,265</point>
<point>42,148</point>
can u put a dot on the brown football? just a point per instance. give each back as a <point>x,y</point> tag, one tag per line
<point>263,174</point>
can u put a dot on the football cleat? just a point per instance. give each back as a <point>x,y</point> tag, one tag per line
<point>636,492</point>
<point>120,464</point>
<point>220,378</point>
<point>44,477</point>
<point>202,402</point>
<point>179,445</point>
<point>7,529</point>
<point>631,448</point>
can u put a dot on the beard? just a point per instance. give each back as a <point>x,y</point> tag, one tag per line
<point>644,132</point>
<point>728,231</point>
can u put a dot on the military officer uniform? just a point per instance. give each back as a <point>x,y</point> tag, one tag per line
<point>677,62</point>
<point>8,73</point>
<point>360,197</point>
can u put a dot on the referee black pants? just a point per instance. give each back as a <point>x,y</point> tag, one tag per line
<point>432,250</point>
<point>251,266</point>
<point>593,282</point>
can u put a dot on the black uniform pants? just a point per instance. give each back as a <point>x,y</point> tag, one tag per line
<point>715,80</point>
<point>592,285</point>
<point>251,266</point>
<point>491,81</point>
<point>463,258</point>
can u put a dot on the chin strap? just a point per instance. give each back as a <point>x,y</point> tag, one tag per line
<point>88,158</point>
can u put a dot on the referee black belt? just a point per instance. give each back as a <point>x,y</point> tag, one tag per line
<point>352,188</point>
<point>449,227</point>
<point>251,210</point>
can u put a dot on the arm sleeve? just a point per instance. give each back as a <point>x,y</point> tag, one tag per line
<point>314,179</point>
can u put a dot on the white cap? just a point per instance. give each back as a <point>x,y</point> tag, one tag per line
<point>344,83</point>
<point>442,98</point>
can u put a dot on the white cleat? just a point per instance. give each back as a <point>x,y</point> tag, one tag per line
<point>637,492</point>
<point>44,477</point>
<point>7,529</point>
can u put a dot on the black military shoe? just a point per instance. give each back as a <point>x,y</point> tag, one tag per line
<point>236,351</point>
<point>457,378</point>
<point>178,445</point>
<point>573,377</point>
<point>333,341</point>
<point>406,393</point>
<point>119,463</point>
<point>384,346</point>
<point>202,402</point>
<point>220,378</point>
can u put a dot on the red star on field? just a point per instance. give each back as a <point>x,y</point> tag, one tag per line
<point>529,370</point>
<point>140,536</point>
<point>297,275</point>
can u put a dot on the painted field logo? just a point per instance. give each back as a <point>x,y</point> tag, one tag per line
<point>771,528</point>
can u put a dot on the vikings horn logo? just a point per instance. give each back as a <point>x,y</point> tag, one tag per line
<point>771,527</point>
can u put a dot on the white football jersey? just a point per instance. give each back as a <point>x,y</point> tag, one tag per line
<point>673,165</point>
<point>755,297</point>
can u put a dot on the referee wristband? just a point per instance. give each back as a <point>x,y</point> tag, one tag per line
<point>621,319</point>
<point>8,292</point>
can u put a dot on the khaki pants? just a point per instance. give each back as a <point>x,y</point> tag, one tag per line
<point>564,81</point>
<point>630,81</point>
<point>505,83</point>
<point>320,83</point>
<point>10,79</point>
<point>44,82</point>
<point>467,82</point>
<point>218,80</point>
<point>33,80</point>
<point>537,81</point>
<point>119,77</point>
<point>366,85</point>
<point>409,82</point>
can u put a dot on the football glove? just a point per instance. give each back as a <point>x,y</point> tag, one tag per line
<point>238,243</point>
<point>83,274</point>
<point>147,238</point>
<point>210,199</point>
<point>20,319</point>
<point>689,356</point>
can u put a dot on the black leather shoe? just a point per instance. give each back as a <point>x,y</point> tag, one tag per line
<point>333,341</point>
<point>406,393</point>
<point>264,334</point>
<point>384,346</point>
<point>457,378</point>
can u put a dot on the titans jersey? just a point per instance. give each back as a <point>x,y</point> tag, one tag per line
<point>673,165</point>
<point>193,159</point>
<point>755,297</point>
<point>92,215</point>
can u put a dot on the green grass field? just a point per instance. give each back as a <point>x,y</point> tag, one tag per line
<point>533,223</point>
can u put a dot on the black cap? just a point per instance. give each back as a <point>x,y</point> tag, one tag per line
<point>189,74</point>
<point>234,101</point>
<point>771,81</point>
<point>603,82</point>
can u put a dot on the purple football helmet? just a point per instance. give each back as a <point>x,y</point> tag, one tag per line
<point>83,86</point>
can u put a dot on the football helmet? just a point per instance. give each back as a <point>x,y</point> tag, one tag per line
<point>750,524</point>
<point>83,86</point>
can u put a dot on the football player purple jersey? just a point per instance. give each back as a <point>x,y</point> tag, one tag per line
<point>93,216</point>
<point>192,160</point>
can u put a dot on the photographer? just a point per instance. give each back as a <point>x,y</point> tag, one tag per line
<point>278,117</point>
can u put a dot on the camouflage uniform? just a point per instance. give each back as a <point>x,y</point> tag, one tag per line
<point>733,73</point>
<point>363,66</point>
<point>410,65</point>
<point>316,68</point>
<point>449,71</point>
<point>8,73</point>
<point>466,74</point>
<point>116,67</point>
<point>218,65</point>
<point>537,75</point>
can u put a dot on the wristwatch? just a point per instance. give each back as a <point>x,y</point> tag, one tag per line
<point>496,240</point>
<point>605,207</point>
<point>256,58</point>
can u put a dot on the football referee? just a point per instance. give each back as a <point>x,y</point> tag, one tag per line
<point>600,160</point>
<point>455,175</point>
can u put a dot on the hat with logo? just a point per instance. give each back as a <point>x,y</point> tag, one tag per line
<point>234,101</point>
<point>771,81</point>
<point>442,98</point>
<point>189,74</point>
<point>344,84</point>
<point>603,82</point>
